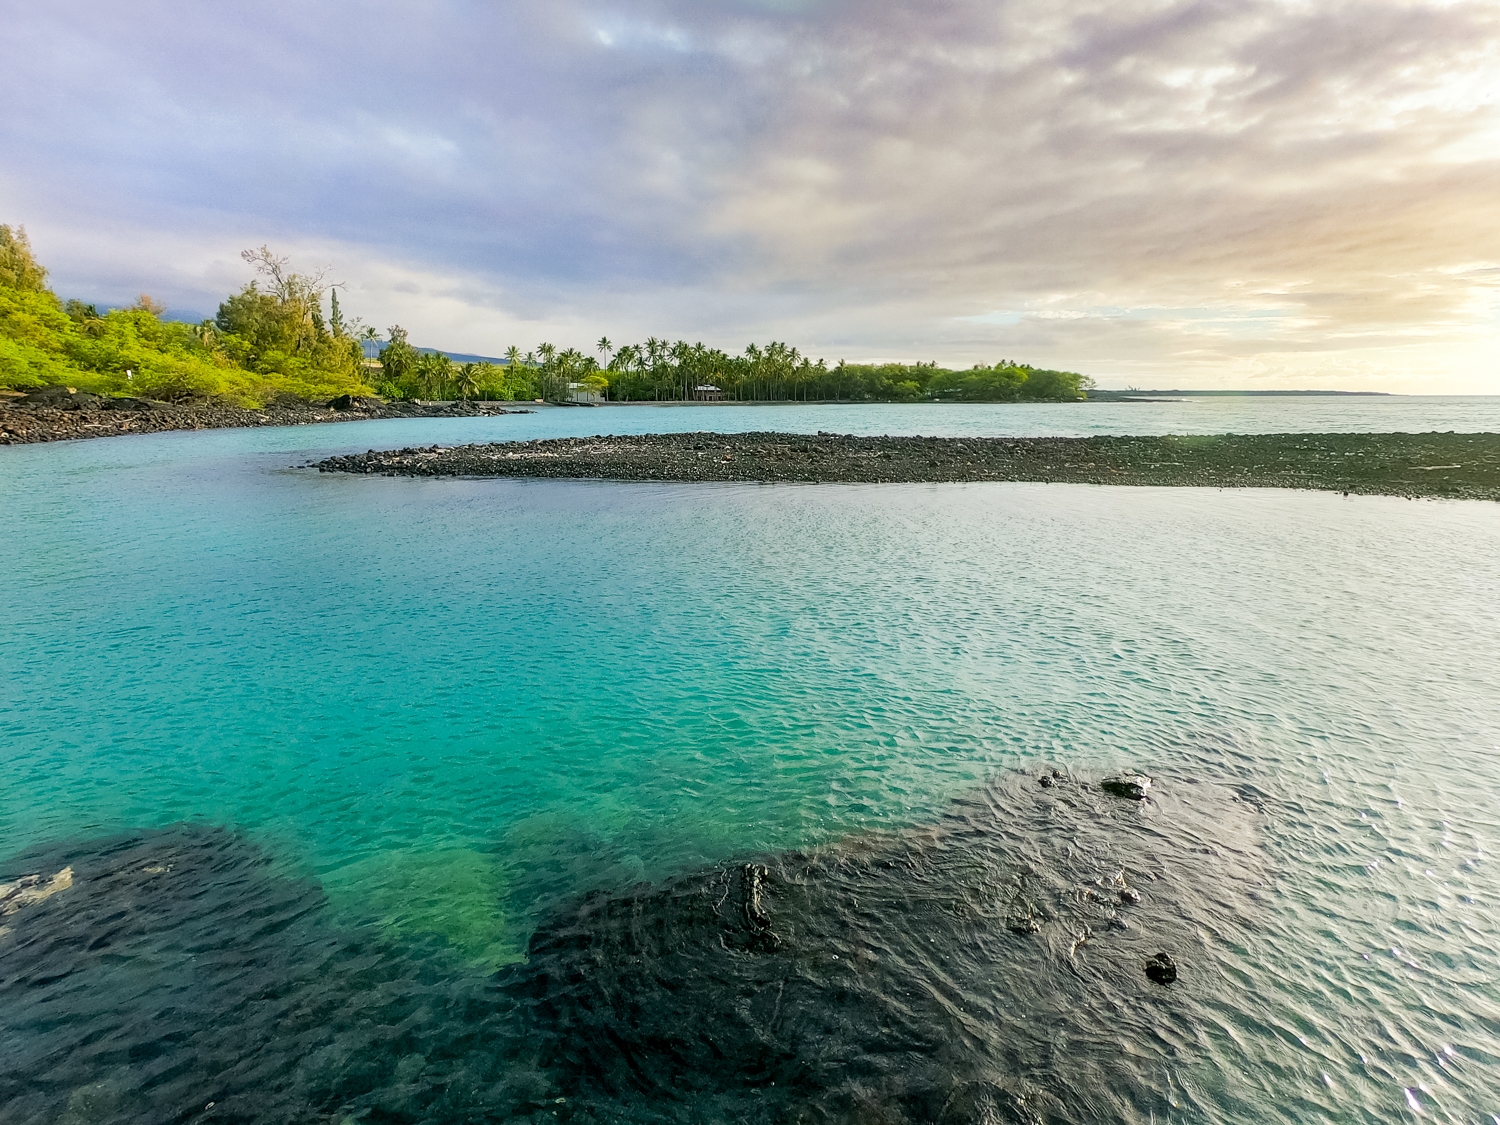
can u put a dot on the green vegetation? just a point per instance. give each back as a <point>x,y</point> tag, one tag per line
<point>659,371</point>
<point>272,338</point>
<point>263,343</point>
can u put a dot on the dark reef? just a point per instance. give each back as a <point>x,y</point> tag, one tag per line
<point>985,968</point>
<point>1463,466</point>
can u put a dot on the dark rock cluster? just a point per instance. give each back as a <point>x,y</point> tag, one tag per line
<point>1455,465</point>
<point>1128,786</point>
<point>1161,968</point>
<point>60,413</point>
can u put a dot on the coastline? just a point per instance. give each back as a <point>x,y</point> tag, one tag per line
<point>72,417</point>
<point>1447,465</point>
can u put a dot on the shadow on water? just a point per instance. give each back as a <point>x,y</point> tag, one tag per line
<point>986,968</point>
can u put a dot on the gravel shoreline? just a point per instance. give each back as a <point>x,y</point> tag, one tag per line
<point>66,417</point>
<point>1459,466</point>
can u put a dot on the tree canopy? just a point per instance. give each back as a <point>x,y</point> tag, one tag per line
<point>18,266</point>
<point>261,344</point>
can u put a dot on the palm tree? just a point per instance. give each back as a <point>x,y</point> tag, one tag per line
<point>513,364</point>
<point>681,352</point>
<point>605,347</point>
<point>435,372</point>
<point>468,380</point>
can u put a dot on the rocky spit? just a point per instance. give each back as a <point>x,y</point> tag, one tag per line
<point>1460,466</point>
<point>57,414</point>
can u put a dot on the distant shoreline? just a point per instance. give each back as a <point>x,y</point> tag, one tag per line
<point>76,416</point>
<point>1100,395</point>
<point>1456,466</point>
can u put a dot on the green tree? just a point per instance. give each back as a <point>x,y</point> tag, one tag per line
<point>19,268</point>
<point>398,364</point>
<point>279,331</point>
<point>467,382</point>
<point>435,375</point>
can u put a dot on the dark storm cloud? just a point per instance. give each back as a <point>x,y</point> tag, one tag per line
<point>1252,189</point>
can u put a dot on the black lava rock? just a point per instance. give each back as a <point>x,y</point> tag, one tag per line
<point>871,979</point>
<point>988,1104</point>
<point>1161,969</point>
<point>48,395</point>
<point>1130,786</point>
<point>354,402</point>
<point>62,398</point>
<point>1384,461</point>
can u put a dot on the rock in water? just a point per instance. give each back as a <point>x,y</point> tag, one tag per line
<point>177,969</point>
<point>1162,969</point>
<point>1131,786</point>
<point>984,1103</point>
<point>31,889</point>
<point>925,975</point>
<point>874,980</point>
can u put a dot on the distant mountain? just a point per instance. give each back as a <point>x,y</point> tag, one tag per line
<point>372,351</point>
<point>465,357</point>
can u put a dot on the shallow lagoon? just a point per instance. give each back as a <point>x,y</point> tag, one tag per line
<point>451,703</point>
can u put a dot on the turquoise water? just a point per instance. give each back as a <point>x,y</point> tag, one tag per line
<point>1385,414</point>
<point>435,697</point>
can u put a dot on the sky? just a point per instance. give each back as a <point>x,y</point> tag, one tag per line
<point>1246,193</point>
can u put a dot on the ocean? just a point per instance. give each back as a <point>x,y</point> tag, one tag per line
<point>411,800</point>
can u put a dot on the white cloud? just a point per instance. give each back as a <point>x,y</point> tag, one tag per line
<point>1299,193</point>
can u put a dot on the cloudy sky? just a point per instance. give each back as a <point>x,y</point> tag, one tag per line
<point>1252,193</point>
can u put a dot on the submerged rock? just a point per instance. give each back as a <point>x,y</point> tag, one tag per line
<point>29,890</point>
<point>985,1103</point>
<point>179,969</point>
<point>1162,969</point>
<point>873,980</point>
<point>896,989</point>
<point>1131,786</point>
